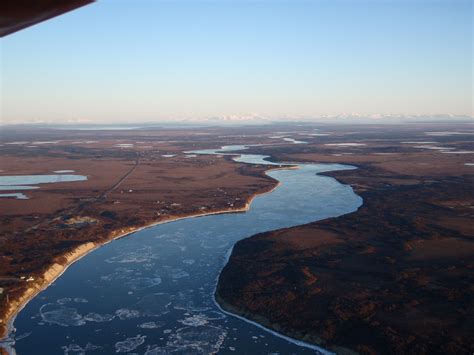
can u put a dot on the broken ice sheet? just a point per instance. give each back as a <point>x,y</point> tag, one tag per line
<point>124,313</point>
<point>151,325</point>
<point>141,283</point>
<point>194,321</point>
<point>129,344</point>
<point>201,340</point>
<point>99,318</point>
<point>64,316</point>
<point>140,255</point>
<point>78,350</point>
<point>68,316</point>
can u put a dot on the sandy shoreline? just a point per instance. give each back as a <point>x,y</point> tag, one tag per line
<point>57,269</point>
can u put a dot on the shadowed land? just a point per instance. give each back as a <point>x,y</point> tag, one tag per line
<point>394,277</point>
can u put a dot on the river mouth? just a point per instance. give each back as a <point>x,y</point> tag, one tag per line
<point>153,293</point>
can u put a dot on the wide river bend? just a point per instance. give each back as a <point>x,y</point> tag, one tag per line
<point>153,292</point>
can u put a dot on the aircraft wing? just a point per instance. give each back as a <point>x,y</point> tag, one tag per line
<point>16,15</point>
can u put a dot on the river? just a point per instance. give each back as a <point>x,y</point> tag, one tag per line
<point>152,292</point>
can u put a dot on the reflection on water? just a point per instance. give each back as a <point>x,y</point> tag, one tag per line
<point>152,292</point>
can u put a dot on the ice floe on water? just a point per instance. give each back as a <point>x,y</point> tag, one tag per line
<point>79,350</point>
<point>124,313</point>
<point>63,316</point>
<point>59,314</point>
<point>141,283</point>
<point>151,325</point>
<point>121,273</point>
<point>63,171</point>
<point>98,318</point>
<point>80,300</point>
<point>194,321</point>
<point>469,164</point>
<point>63,300</point>
<point>204,339</point>
<point>129,344</point>
<point>157,350</point>
<point>141,255</point>
<point>168,155</point>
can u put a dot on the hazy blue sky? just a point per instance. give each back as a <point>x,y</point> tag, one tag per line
<point>142,60</point>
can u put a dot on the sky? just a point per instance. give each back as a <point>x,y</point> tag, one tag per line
<point>150,60</point>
